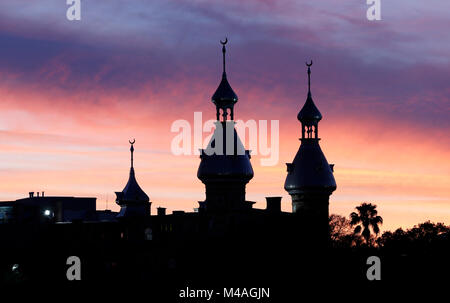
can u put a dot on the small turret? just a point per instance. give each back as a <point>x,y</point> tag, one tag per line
<point>133,201</point>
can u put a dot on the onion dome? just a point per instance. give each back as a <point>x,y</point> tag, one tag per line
<point>224,97</point>
<point>309,114</point>
<point>224,94</point>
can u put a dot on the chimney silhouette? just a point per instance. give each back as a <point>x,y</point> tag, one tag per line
<point>161,211</point>
<point>273,205</point>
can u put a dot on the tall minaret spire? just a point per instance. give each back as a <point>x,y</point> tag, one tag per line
<point>224,97</point>
<point>310,180</point>
<point>225,166</point>
<point>133,201</point>
<point>309,115</point>
<point>132,150</point>
<point>309,76</point>
<point>223,53</point>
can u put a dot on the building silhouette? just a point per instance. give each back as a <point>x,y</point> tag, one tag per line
<point>225,233</point>
<point>224,242</point>
<point>48,209</point>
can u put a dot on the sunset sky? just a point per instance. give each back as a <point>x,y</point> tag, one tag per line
<point>72,93</point>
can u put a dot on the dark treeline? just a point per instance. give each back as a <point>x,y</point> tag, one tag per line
<point>419,253</point>
<point>362,230</point>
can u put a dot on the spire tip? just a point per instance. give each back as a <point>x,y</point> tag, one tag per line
<point>309,75</point>
<point>223,53</point>
<point>132,150</point>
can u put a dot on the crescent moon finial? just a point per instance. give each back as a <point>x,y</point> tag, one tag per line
<point>224,42</point>
<point>308,65</point>
<point>134,140</point>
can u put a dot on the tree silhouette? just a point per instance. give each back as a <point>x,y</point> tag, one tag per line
<point>366,218</point>
<point>341,232</point>
<point>339,227</point>
<point>422,237</point>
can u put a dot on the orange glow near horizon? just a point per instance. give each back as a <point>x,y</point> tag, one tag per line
<point>80,149</point>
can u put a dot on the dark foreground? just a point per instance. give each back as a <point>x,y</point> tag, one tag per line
<point>234,267</point>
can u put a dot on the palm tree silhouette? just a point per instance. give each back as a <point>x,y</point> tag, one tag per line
<point>366,218</point>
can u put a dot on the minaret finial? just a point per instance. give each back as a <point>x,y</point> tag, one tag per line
<point>132,150</point>
<point>309,76</point>
<point>223,52</point>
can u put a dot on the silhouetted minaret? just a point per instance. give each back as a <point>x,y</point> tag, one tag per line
<point>224,98</point>
<point>133,201</point>
<point>225,166</point>
<point>310,179</point>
